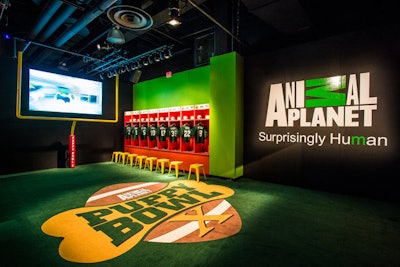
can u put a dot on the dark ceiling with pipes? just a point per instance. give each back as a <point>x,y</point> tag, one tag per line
<point>73,35</point>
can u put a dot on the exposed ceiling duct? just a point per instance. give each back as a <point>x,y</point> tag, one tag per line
<point>82,22</point>
<point>47,13</point>
<point>66,13</point>
<point>45,31</point>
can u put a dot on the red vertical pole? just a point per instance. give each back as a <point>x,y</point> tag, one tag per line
<point>72,151</point>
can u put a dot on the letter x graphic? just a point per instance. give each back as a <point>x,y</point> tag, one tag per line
<point>202,219</point>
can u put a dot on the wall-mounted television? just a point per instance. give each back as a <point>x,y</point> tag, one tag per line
<point>53,92</point>
<point>50,94</point>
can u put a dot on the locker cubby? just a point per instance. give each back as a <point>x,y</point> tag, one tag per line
<point>179,129</point>
<point>127,128</point>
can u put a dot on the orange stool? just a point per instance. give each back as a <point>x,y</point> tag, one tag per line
<point>115,156</point>
<point>131,159</point>
<point>150,162</point>
<point>162,163</point>
<point>122,157</point>
<point>176,165</point>
<point>197,167</point>
<point>139,160</point>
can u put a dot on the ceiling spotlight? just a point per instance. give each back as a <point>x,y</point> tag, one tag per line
<point>115,36</point>
<point>158,57</point>
<point>62,66</point>
<point>174,13</point>
<point>168,54</point>
<point>106,46</point>
<point>149,60</point>
<point>134,66</point>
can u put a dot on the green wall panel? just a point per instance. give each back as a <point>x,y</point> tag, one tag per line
<point>226,115</point>
<point>183,88</point>
<point>221,85</point>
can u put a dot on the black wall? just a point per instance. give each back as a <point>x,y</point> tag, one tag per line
<point>361,170</point>
<point>34,144</point>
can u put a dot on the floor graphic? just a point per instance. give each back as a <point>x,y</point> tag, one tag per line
<point>116,218</point>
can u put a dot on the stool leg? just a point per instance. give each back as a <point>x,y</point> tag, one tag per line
<point>204,173</point>
<point>197,175</point>
<point>190,170</point>
<point>176,171</point>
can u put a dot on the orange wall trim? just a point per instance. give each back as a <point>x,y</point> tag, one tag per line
<point>187,157</point>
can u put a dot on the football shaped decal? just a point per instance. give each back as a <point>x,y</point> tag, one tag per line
<point>210,221</point>
<point>116,218</point>
<point>122,192</point>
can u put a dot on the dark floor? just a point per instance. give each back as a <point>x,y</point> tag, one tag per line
<point>281,225</point>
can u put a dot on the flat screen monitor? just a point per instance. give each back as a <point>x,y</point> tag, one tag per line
<point>47,94</point>
<point>53,92</point>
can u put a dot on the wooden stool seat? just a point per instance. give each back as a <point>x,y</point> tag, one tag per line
<point>162,163</point>
<point>139,160</point>
<point>131,159</point>
<point>150,162</point>
<point>176,165</point>
<point>197,167</point>
<point>115,156</point>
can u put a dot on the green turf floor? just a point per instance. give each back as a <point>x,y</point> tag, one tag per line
<point>281,225</point>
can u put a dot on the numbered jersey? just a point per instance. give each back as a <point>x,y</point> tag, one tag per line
<point>200,133</point>
<point>173,133</point>
<point>135,132</point>
<point>152,132</point>
<point>127,132</point>
<point>143,132</point>
<point>162,133</point>
<point>186,132</point>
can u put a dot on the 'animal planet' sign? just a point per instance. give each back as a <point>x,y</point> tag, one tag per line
<point>332,102</point>
<point>118,217</point>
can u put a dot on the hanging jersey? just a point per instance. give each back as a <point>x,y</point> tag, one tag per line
<point>162,133</point>
<point>186,132</point>
<point>200,133</point>
<point>173,132</point>
<point>135,132</point>
<point>143,132</point>
<point>127,132</point>
<point>152,132</point>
